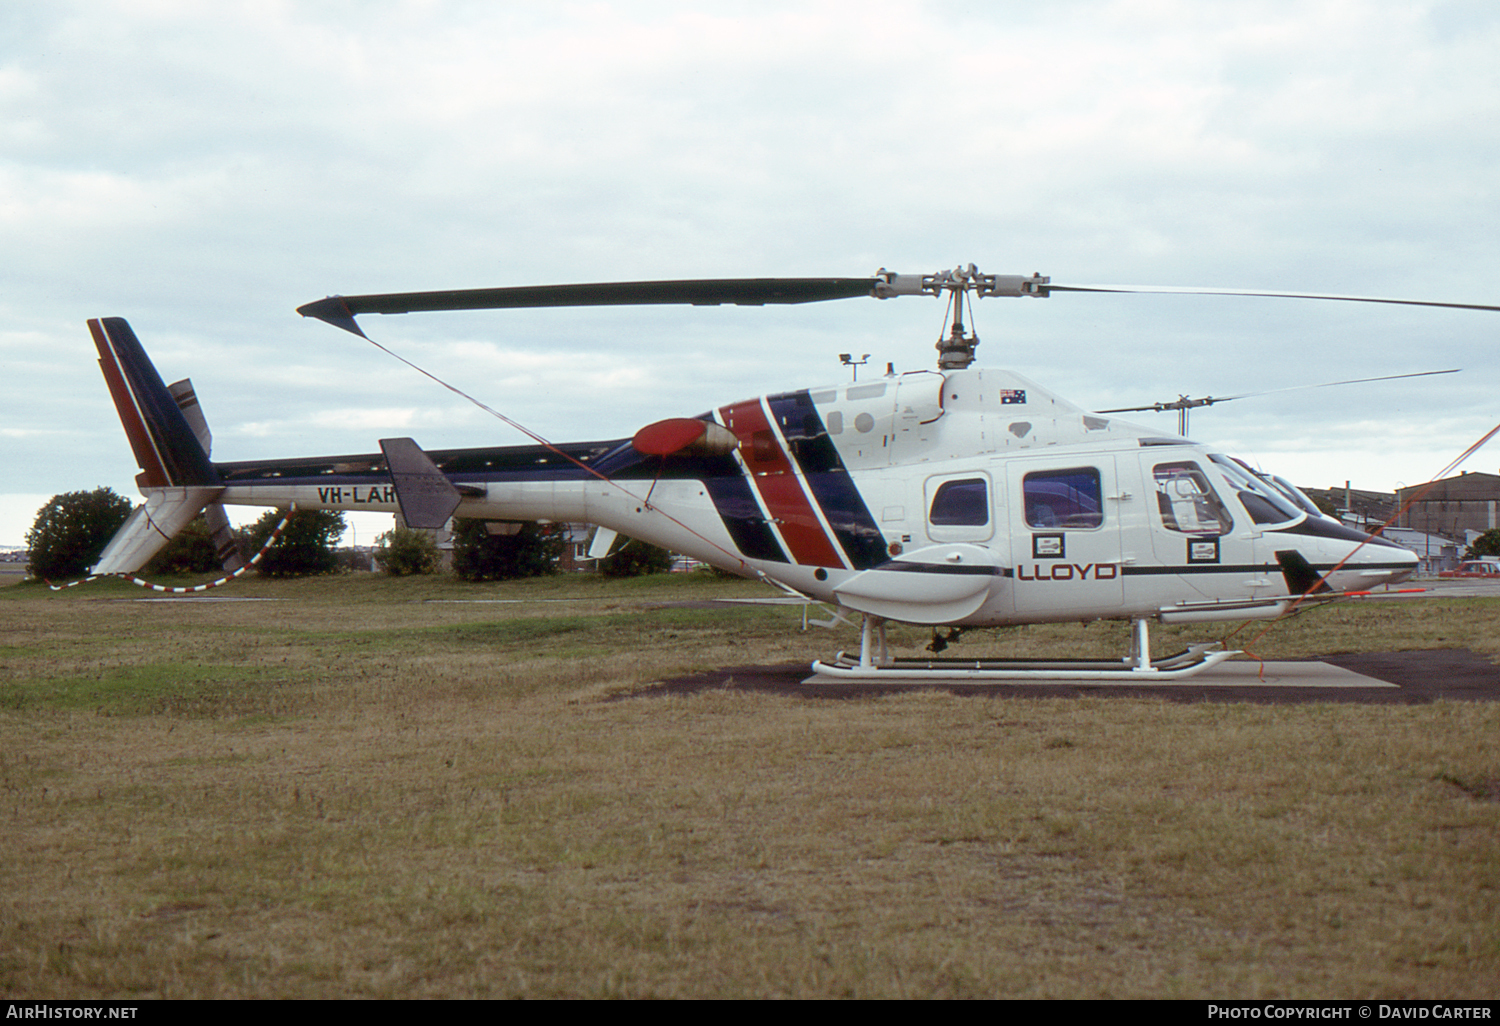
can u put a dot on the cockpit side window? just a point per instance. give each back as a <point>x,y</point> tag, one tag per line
<point>1064,498</point>
<point>961,503</point>
<point>1186,501</point>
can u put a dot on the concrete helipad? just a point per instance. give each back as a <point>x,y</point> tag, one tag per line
<point>1397,678</point>
<point>1225,675</point>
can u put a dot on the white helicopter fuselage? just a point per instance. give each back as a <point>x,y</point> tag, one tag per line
<point>967,498</point>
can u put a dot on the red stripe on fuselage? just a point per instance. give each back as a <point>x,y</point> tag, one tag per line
<point>154,472</point>
<point>773,476</point>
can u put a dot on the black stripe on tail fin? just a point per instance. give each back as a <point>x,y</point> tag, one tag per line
<point>164,444</point>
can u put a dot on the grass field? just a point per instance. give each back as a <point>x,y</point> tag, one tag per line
<point>361,787</point>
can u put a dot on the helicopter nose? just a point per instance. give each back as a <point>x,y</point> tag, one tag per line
<point>1399,565</point>
<point>1322,558</point>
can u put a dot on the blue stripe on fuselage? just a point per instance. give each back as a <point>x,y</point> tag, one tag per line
<point>828,479</point>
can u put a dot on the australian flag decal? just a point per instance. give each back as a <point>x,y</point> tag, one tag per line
<point>1009,396</point>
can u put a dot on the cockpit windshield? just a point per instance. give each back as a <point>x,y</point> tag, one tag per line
<point>1288,491</point>
<point>1264,501</point>
<point>1292,492</point>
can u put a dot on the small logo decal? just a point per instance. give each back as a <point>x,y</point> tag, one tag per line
<point>1047,546</point>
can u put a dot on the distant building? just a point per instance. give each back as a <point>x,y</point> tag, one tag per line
<point>1437,543</point>
<point>1434,552</point>
<point>1455,507</point>
<point>1357,507</point>
<point>575,554</point>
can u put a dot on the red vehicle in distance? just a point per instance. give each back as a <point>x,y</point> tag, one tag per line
<point>1487,568</point>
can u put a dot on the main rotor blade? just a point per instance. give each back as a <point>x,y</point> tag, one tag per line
<point>341,310</point>
<point>1193,291</point>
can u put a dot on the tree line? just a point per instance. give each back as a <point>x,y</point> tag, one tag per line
<point>72,529</point>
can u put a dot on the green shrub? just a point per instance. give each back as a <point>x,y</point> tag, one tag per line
<point>405,551</point>
<point>635,558</point>
<point>532,550</point>
<point>305,548</point>
<point>1487,544</point>
<point>71,531</point>
<point>190,552</point>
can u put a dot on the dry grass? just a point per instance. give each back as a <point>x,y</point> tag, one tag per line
<point>363,790</point>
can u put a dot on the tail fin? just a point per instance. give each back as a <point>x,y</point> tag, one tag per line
<point>170,439</point>
<point>165,445</point>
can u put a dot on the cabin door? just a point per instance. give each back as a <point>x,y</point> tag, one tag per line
<point>1065,537</point>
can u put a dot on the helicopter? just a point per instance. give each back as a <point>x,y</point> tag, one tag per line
<point>952,498</point>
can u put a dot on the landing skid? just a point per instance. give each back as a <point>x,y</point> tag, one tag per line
<point>876,664</point>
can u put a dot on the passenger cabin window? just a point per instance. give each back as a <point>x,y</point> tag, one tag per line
<point>1064,498</point>
<point>961,503</point>
<point>1186,501</point>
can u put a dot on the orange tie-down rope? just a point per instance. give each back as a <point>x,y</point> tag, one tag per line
<point>1445,472</point>
<point>201,587</point>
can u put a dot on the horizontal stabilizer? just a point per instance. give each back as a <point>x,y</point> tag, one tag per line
<point>150,527</point>
<point>427,498</point>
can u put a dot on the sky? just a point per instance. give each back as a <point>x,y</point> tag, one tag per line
<point>202,169</point>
